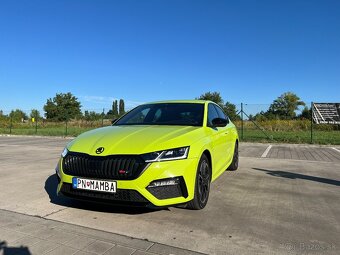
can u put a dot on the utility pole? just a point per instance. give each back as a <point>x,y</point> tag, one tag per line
<point>103,117</point>
<point>311,122</point>
<point>242,121</point>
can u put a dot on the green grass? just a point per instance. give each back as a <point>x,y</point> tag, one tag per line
<point>289,131</point>
<point>48,131</point>
<point>319,137</point>
<point>74,128</point>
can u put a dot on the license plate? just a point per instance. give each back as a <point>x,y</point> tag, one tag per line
<point>95,185</point>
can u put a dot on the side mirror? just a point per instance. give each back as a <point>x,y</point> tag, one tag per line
<point>113,121</point>
<point>219,122</point>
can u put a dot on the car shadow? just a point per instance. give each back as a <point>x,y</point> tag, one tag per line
<point>51,184</point>
<point>290,175</point>
<point>6,250</point>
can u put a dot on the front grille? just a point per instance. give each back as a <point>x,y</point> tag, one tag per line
<point>118,167</point>
<point>121,196</point>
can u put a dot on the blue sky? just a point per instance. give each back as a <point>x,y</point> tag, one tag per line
<point>249,51</point>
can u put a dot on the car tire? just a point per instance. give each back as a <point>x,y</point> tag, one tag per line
<point>202,185</point>
<point>234,164</point>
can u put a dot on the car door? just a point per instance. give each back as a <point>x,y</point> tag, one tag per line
<point>229,136</point>
<point>219,145</point>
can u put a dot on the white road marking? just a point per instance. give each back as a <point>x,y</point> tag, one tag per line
<point>265,153</point>
<point>336,149</point>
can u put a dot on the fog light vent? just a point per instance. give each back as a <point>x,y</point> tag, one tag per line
<point>168,188</point>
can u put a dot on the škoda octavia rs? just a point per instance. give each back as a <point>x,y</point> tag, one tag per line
<point>157,154</point>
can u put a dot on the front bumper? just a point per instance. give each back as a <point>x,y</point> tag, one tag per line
<point>137,191</point>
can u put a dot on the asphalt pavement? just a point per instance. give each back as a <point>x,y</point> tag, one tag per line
<point>284,199</point>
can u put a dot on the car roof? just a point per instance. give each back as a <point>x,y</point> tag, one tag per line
<point>180,101</point>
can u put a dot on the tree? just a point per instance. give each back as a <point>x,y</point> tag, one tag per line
<point>92,116</point>
<point>230,110</point>
<point>285,106</point>
<point>212,96</point>
<point>109,114</point>
<point>35,114</point>
<point>115,108</point>
<point>306,113</point>
<point>121,107</point>
<point>2,115</point>
<point>18,115</point>
<point>62,107</point>
<point>262,116</point>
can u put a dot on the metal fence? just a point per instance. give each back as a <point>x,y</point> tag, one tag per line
<point>36,125</point>
<point>251,129</point>
<point>296,130</point>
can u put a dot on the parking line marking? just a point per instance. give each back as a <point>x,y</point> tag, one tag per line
<point>265,153</point>
<point>336,149</point>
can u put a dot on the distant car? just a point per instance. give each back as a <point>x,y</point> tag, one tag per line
<point>158,154</point>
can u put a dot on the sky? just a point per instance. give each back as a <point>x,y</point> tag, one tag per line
<point>149,50</point>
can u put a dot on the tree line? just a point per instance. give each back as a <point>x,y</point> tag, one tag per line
<point>65,106</point>
<point>284,107</point>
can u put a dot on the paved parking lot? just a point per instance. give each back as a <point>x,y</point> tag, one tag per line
<point>292,151</point>
<point>284,199</point>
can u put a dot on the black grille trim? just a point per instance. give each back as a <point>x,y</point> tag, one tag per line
<point>122,196</point>
<point>170,191</point>
<point>166,192</point>
<point>103,167</point>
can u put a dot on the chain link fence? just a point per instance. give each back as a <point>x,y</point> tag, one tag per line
<point>254,127</point>
<point>257,127</point>
<point>31,124</point>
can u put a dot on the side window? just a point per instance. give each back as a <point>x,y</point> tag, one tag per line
<point>221,114</point>
<point>212,114</point>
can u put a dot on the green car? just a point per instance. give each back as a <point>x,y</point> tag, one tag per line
<point>158,154</point>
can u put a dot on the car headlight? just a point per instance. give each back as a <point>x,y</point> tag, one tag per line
<point>64,153</point>
<point>172,154</point>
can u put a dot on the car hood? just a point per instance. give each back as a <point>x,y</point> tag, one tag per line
<point>135,139</point>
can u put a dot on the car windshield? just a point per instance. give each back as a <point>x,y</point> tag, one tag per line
<point>183,114</point>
